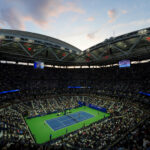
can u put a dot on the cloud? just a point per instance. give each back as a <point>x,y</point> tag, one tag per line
<point>11,18</point>
<point>91,35</point>
<point>124,11</point>
<point>74,18</point>
<point>112,14</point>
<point>40,12</point>
<point>134,24</point>
<point>90,19</point>
<point>53,8</point>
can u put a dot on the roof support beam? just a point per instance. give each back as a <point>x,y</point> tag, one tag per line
<point>64,56</point>
<point>93,56</point>
<point>51,50</point>
<point>43,49</point>
<point>23,48</point>
<point>101,55</point>
<point>6,43</point>
<point>10,53</point>
<point>117,48</point>
<point>134,45</point>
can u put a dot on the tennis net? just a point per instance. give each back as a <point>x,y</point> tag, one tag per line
<point>75,119</point>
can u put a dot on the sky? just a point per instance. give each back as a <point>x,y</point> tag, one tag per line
<point>82,23</point>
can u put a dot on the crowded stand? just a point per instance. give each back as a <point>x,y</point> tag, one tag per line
<point>46,91</point>
<point>112,81</point>
<point>137,139</point>
<point>101,134</point>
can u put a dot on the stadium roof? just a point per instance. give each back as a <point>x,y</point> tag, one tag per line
<point>29,47</point>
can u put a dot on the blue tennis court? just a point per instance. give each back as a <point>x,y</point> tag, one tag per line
<point>68,120</point>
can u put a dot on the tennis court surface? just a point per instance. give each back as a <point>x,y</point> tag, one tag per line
<point>68,120</point>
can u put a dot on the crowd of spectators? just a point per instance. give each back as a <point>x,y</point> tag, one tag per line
<point>124,116</point>
<point>138,139</point>
<point>46,91</point>
<point>13,127</point>
<point>112,81</point>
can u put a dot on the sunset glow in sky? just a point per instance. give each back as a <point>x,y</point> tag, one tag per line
<point>82,23</point>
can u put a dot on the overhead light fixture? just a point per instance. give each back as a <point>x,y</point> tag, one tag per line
<point>29,48</point>
<point>125,45</point>
<point>81,53</point>
<point>88,50</point>
<point>2,37</point>
<point>63,54</point>
<point>148,39</point>
<point>77,53</point>
<point>70,50</point>
<point>142,32</point>
<point>30,41</point>
<point>62,48</point>
<point>17,39</point>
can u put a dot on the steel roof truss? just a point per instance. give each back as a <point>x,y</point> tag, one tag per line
<point>51,50</point>
<point>64,56</point>
<point>93,56</point>
<point>101,55</point>
<point>117,48</point>
<point>24,49</point>
<point>7,43</point>
<point>41,50</point>
<point>134,45</point>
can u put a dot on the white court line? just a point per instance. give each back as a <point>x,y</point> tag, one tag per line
<point>48,125</point>
<point>62,123</point>
<point>58,121</point>
<point>70,119</point>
